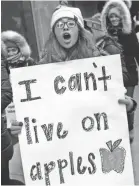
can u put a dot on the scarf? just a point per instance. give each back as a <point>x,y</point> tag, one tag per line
<point>16,60</point>
<point>114,31</point>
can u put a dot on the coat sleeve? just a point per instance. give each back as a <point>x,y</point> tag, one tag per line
<point>112,49</point>
<point>6,90</point>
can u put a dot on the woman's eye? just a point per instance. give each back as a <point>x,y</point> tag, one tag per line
<point>71,24</point>
<point>59,25</point>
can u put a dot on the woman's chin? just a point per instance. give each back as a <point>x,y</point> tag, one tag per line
<point>67,44</point>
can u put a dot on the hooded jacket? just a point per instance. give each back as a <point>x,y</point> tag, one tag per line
<point>21,43</point>
<point>126,38</point>
<point>105,42</point>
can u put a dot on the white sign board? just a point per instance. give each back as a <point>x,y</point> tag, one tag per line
<point>74,131</point>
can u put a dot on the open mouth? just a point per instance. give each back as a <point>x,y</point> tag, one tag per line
<point>66,36</point>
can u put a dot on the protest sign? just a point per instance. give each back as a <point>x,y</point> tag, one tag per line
<point>74,130</point>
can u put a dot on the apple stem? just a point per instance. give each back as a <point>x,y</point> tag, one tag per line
<point>109,144</point>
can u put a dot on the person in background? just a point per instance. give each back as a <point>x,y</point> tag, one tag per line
<point>19,52</point>
<point>6,139</point>
<point>18,55</point>
<point>104,41</point>
<point>116,22</point>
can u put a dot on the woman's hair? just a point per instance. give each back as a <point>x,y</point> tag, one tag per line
<point>84,48</point>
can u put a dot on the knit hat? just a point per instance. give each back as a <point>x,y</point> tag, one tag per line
<point>69,12</point>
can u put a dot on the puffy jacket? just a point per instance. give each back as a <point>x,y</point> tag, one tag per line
<point>126,37</point>
<point>112,47</point>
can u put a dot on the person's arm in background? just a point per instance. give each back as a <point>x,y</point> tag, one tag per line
<point>6,90</point>
<point>112,49</point>
<point>131,106</point>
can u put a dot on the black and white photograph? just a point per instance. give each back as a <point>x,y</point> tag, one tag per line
<point>70,92</point>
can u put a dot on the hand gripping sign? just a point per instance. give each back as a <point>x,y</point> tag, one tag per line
<point>74,131</point>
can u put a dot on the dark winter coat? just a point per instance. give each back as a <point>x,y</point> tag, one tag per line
<point>112,47</point>
<point>105,42</point>
<point>131,52</point>
<point>6,98</point>
<point>126,38</point>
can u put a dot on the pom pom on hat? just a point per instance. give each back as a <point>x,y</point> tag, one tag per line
<point>69,12</point>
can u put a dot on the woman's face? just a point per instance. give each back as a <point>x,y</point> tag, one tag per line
<point>114,17</point>
<point>66,31</point>
<point>12,51</point>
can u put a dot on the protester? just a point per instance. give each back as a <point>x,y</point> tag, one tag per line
<point>67,43</point>
<point>68,39</point>
<point>6,140</point>
<point>18,50</point>
<point>116,22</point>
<point>104,41</point>
<point>18,55</point>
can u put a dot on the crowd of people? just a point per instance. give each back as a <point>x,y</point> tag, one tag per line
<point>112,31</point>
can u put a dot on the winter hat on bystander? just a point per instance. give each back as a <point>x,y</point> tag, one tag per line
<point>14,39</point>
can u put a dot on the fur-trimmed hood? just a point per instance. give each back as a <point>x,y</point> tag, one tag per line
<point>3,50</point>
<point>128,3</point>
<point>18,39</point>
<point>125,15</point>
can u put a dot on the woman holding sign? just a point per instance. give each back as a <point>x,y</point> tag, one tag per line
<point>68,41</point>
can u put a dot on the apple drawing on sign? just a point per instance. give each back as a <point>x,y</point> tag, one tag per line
<point>114,158</point>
